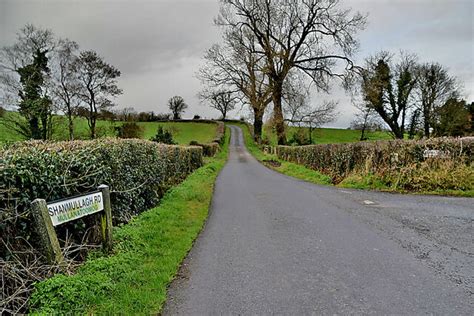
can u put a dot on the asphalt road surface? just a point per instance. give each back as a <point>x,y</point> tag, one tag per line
<point>277,245</point>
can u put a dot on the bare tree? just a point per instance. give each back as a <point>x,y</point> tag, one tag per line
<point>365,120</point>
<point>312,36</point>
<point>222,100</point>
<point>387,87</point>
<point>318,115</point>
<point>66,87</point>
<point>177,106</point>
<point>302,113</point>
<point>98,83</point>
<point>127,114</point>
<point>236,67</point>
<point>434,87</point>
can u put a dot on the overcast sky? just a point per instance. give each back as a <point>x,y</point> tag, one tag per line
<point>158,45</point>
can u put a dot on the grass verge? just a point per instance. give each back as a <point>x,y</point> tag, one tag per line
<point>148,253</point>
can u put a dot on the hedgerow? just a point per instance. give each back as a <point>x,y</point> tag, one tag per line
<point>138,173</point>
<point>401,164</point>
<point>219,138</point>
<point>147,255</point>
<point>209,149</point>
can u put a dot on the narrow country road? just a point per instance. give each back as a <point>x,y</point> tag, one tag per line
<point>277,245</point>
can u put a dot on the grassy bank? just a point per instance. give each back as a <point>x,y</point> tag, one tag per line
<point>354,181</point>
<point>148,253</point>
<point>183,132</point>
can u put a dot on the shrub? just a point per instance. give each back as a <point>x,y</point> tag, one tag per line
<point>401,164</point>
<point>163,136</point>
<point>299,138</point>
<point>129,130</point>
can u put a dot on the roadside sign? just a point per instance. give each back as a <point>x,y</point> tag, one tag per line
<point>66,210</point>
<point>48,215</point>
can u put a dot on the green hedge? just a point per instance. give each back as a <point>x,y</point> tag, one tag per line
<point>209,149</point>
<point>401,161</point>
<point>138,173</point>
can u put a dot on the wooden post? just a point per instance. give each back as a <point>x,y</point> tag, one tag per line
<point>106,219</point>
<point>48,238</point>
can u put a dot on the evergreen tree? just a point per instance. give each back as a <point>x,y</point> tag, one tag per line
<point>34,105</point>
<point>163,136</point>
<point>452,119</point>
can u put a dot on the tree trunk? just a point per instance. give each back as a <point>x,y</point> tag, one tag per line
<point>402,126</point>
<point>70,120</point>
<point>362,132</point>
<point>34,128</point>
<point>278,112</point>
<point>50,126</point>
<point>92,112</point>
<point>413,124</point>
<point>257,126</point>
<point>93,123</point>
<point>426,123</point>
<point>92,128</point>
<point>44,125</point>
<point>71,126</point>
<point>397,132</point>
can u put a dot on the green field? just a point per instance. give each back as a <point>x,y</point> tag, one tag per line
<point>328,135</point>
<point>183,132</point>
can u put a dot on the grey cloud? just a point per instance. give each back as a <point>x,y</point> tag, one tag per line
<point>158,44</point>
<point>130,34</point>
